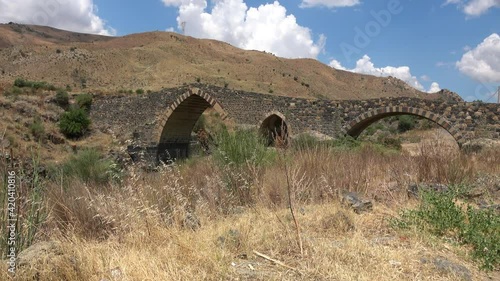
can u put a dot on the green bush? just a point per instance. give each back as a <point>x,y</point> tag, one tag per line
<point>74,123</point>
<point>241,147</point>
<point>21,83</point>
<point>84,101</point>
<point>139,91</point>
<point>91,167</point>
<point>439,215</point>
<point>62,99</point>
<point>37,129</point>
<point>406,123</point>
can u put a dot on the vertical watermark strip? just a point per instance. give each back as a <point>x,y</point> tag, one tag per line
<point>11,221</point>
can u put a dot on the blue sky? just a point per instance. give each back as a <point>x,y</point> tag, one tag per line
<point>452,44</point>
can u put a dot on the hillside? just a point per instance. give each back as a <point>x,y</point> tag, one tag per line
<point>154,60</point>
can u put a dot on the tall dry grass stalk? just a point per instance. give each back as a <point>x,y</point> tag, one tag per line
<point>144,225</point>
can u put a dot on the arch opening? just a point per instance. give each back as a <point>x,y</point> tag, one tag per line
<point>274,129</point>
<point>357,126</point>
<point>176,134</point>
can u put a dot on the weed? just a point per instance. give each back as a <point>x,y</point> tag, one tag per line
<point>439,215</point>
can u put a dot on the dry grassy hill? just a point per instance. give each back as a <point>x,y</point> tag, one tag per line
<point>154,60</point>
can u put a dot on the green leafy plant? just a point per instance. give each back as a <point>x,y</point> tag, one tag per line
<point>62,99</point>
<point>406,123</point>
<point>37,129</point>
<point>90,166</point>
<point>74,123</point>
<point>439,215</point>
<point>84,101</point>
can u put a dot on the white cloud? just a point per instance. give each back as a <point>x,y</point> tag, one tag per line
<point>265,28</point>
<point>425,78</point>
<point>73,15</point>
<point>329,3</point>
<point>474,7</point>
<point>336,64</point>
<point>483,62</point>
<point>434,88</point>
<point>366,66</point>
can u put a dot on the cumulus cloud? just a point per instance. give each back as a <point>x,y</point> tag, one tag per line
<point>366,66</point>
<point>265,28</point>
<point>474,7</point>
<point>73,15</point>
<point>329,3</point>
<point>434,88</point>
<point>483,62</point>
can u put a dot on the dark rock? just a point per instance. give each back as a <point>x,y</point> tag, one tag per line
<point>447,266</point>
<point>414,189</point>
<point>55,138</point>
<point>353,200</point>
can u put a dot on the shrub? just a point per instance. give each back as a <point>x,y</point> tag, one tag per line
<point>406,123</point>
<point>439,215</point>
<point>90,166</point>
<point>139,91</point>
<point>37,129</point>
<point>62,99</point>
<point>241,147</point>
<point>74,123</point>
<point>84,101</point>
<point>20,82</point>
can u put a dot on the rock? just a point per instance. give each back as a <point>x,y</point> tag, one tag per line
<point>353,200</point>
<point>447,266</point>
<point>55,138</point>
<point>39,251</point>
<point>116,273</point>
<point>414,189</point>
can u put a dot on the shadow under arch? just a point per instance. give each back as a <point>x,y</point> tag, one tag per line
<point>177,123</point>
<point>274,127</point>
<point>358,125</point>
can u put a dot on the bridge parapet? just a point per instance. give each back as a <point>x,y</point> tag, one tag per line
<point>160,120</point>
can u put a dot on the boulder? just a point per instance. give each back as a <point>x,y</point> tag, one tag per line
<point>354,201</point>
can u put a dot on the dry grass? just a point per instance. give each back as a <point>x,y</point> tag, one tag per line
<point>147,227</point>
<point>154,60</point>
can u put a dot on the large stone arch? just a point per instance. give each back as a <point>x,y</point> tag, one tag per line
<point>177,122</point>
<point>274,125</point>
<point>358,125</point>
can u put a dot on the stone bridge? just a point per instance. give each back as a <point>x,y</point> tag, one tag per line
<point>156,123</point>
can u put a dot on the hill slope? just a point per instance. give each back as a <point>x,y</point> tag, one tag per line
<point>155,60</point>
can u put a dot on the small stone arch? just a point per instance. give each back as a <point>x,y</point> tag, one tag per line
<point>358,125</point>
<point>274,126</point>
<point>176,123</point>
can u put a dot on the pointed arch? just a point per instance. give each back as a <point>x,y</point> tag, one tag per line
<point>176,123</point>
<point>358,125</point>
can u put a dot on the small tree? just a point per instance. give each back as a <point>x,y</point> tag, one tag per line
<point>74,123</point>
<point>62,99</point>
<point>406,123</point>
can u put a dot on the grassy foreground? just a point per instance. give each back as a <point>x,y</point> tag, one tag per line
<point>216,218</point>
